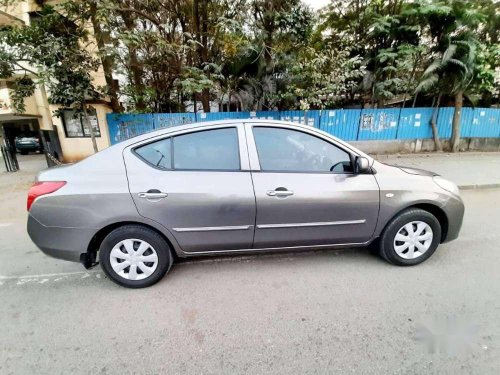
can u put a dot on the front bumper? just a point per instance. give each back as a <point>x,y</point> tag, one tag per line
<point>59,242</point>
<point>454,210</point>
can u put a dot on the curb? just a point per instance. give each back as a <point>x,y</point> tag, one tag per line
<point>430,155</point>
<point>477,186</point>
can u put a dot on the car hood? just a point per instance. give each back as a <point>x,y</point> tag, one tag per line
<point>415,171</point>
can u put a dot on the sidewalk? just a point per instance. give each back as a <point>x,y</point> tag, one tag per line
<point>469,170</point>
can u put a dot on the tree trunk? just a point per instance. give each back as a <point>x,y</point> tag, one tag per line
<point>414,100</point>
<point>89,126</point>
<point>409,85</point>
<point>106,60</point>
<point>455,129</point>
<point>435,133</point>
<point>135,67</point>
<point>200,25</point>
<point>205,95</point>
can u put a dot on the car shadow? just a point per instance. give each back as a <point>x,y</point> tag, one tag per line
<point>347,256</point>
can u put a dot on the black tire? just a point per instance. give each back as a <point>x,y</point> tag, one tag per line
<point>387,250</point>
<point>23,152</point>
<point>163,251</point>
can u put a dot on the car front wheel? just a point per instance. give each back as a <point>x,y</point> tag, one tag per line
<point>410,238</point>
<point>134,256</point>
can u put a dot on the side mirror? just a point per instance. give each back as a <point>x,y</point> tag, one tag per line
<point>362,165</point>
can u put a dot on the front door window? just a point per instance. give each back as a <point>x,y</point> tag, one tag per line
<point>285,150</point>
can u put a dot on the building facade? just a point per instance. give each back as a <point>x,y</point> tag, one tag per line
<point>74,142</point>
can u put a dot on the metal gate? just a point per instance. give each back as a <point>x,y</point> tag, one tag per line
<point>51,147</point>
<point>9,159</point>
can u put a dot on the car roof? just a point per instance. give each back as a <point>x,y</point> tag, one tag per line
<point>204,125</point>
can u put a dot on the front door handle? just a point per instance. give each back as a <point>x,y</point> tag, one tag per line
<point>279,192</point>
<point>153,194</point>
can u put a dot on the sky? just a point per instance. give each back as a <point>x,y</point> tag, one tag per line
<point>316,4</point>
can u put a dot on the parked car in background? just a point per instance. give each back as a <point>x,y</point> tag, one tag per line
<point>27,143</point>
<point>230,187</point>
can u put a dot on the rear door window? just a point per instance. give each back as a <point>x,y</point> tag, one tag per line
<point>207,150</point>
<point>215,149</point>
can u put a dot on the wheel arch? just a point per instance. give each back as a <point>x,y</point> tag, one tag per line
<point>433,209</point>
<point>88,259</point>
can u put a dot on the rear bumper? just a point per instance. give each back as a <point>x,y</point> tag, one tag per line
<point>58,242</point>
<point>27,147</point>
<point>454,210</point>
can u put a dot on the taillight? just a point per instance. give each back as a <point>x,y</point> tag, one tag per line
<point>42,188</point>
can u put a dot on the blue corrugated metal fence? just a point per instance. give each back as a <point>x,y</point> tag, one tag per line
<point>347,124</point>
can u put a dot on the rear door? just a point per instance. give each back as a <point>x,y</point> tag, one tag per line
<point>197,185</point>
<point>306,191</point>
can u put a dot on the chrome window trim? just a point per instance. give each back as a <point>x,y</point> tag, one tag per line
<point>210,229</point>
<point>318,224</point>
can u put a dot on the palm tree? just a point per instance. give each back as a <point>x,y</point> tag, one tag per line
<point>452,73</point>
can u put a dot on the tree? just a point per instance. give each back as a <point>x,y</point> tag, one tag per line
<point>48,52</point>
<point>322,78</point>
<point>278,54</point>
<point>455,66</point>
<point>453,74</point>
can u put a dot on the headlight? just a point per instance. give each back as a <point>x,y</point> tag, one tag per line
<point>446,185</point>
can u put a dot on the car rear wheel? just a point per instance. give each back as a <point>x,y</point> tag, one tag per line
<point>410,238</point>
<point>134,256</point>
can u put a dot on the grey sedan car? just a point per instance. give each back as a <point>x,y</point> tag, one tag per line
<point>230,187</point>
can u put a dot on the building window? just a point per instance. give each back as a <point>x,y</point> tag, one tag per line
<point>74,124</point>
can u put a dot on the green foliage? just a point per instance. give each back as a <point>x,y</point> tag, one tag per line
<point>261,54</point>
<point>48,52</point>
<point>461,62</point>
<point>321,78</point>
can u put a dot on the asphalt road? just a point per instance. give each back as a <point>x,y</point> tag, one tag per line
<point>318,312</point>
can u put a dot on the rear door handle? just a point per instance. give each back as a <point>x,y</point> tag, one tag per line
<point>279,193</point>
<point>153,194</point>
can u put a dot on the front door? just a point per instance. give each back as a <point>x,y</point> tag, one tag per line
<point>194,185</point>
<point>307,193</point>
